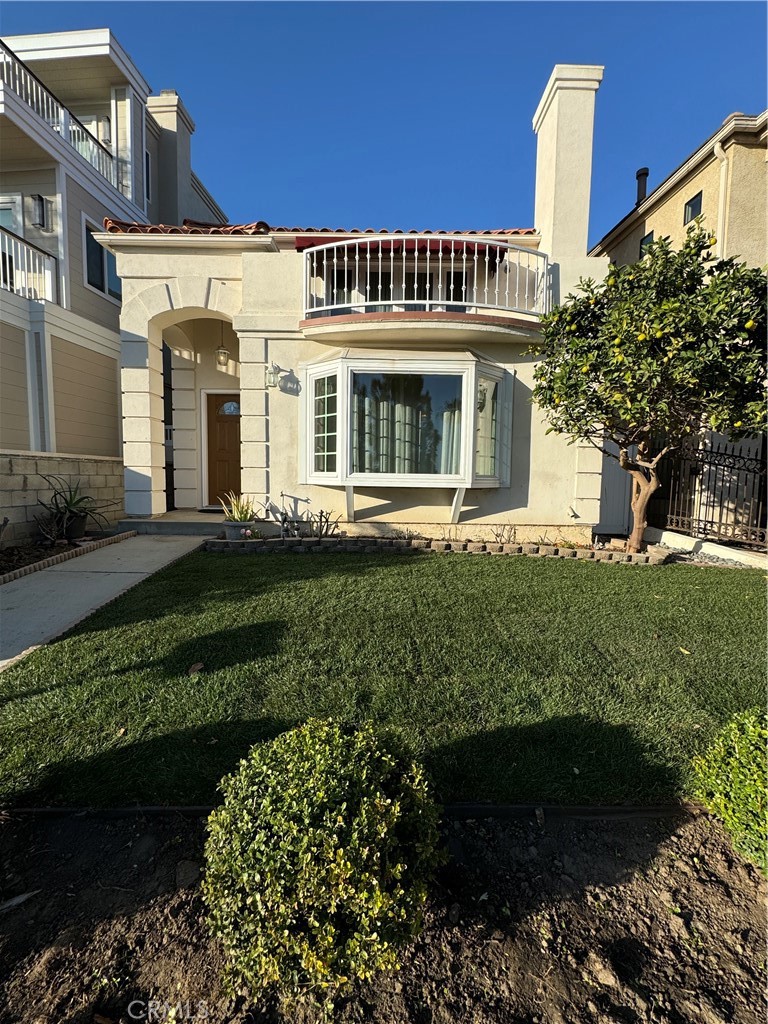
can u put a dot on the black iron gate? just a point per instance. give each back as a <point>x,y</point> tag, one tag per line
<point>716,490</point>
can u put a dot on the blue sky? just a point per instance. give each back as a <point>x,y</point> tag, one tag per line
<point>419,114</point>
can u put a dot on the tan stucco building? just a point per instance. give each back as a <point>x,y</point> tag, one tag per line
<point>382,375</point>
<point>724,182</point>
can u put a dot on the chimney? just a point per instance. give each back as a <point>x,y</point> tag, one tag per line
<point>642,185</point>
<point>563,123</point>
<point>175,163</point>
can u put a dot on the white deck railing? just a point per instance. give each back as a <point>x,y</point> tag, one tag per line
<point>28,87</point>
<point>424,273</point>
<point>26,270</point>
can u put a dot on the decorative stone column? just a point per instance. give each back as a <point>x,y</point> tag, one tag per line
<point>254,410</point>
<point>141,377</point>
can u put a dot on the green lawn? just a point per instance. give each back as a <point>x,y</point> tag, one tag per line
<point>514,679</point>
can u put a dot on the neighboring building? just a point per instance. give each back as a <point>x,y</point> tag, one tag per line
<point>81,139</point>
<point>383,375</point>
<point>718,491</point>
<point>724,181</point>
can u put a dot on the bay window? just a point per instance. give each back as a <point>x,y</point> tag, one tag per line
<point>406,421</point>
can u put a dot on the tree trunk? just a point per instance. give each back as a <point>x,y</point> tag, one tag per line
<point>645,482</point>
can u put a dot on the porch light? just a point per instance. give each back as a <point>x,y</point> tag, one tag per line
<point>39,219</point>
<point>273,375</point>
<point>222,356</point>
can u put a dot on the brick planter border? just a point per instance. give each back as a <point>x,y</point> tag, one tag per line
<point>389,546</point>
<point>64,556</point>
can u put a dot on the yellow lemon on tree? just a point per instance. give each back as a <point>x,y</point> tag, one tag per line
<point>750,325</point>
<point>585,369</point>
<point>642,337</point>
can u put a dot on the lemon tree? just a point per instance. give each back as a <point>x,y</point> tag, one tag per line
<point>665,348</point>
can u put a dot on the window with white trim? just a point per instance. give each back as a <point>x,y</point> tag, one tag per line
<point>406,422</point>
<point>101,267</point>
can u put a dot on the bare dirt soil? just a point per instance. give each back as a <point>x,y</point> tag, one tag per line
<point>568,922</point>
<point>17,557</point>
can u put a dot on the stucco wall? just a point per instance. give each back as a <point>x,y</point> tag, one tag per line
<point>183,295</point>
<point>747,231</point>
<point>21,484</point>
<point>746,202</point>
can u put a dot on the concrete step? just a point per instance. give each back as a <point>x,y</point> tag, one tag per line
<point>200,526</point>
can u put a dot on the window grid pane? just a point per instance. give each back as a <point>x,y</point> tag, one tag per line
<point>487,424</point>
<point>325,424</point>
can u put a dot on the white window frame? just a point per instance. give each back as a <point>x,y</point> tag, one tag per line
<point>467,368</point>
<point>88,223</point>
<point>13,200</point>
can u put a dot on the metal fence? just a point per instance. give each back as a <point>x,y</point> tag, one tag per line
<point>716,491</point>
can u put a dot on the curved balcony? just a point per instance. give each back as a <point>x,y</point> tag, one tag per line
<point>414,284</point>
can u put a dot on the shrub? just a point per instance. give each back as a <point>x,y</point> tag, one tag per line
<point>731,782</point>
<point>318,861</point>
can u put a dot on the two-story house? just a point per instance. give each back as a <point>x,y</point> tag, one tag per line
<point>81,139</point>
<point>384,375</point>
<point>716,488</point>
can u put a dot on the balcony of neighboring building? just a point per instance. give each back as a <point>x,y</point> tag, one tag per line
<point>25,269</point>
<point>31,113</point>
<point>422,285</point>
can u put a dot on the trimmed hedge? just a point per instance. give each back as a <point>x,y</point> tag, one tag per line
<point>319,860</point>
<point>731,781</point>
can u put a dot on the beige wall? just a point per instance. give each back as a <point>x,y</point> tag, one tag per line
<point>86,400</point>
<point>666,219</point>
<point>747,230</point>
<point>745,209</point>
<point>21,484</point>
<point>554,488</point>
<point>84,300</point>
<point>14,407</point>
<point>41,181</point>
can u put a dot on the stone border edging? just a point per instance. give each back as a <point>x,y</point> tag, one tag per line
<point>386,545</point>
<point>456,812</point>
<point>64,556</point>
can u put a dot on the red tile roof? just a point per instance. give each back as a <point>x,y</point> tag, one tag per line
<point>260,227</point>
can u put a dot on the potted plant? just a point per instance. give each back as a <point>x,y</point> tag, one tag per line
<point>239,516</point>
<point>68,510</point>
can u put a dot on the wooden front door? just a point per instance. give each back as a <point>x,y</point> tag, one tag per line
<point>223,446</point>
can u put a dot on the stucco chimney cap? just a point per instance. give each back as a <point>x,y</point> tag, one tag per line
<point>567,76</point>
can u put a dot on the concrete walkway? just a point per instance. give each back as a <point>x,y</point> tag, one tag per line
<point>45,604</point>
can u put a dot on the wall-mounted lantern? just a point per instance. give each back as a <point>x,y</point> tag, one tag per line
<point>273,375</point>
<point>39,212</point>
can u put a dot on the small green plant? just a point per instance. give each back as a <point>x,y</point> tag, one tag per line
<point>67,507</point>
<point>238,508</point>
<point>318,861</point>
<point>731,781</point>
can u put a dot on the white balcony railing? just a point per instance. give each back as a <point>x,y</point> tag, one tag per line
<point>424,273</point>
<point>26,270</point>
<point>28,87</point>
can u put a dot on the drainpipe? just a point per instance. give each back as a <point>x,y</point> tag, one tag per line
<point>722,203</point>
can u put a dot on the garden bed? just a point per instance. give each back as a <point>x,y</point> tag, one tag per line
<point>569,922</point>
